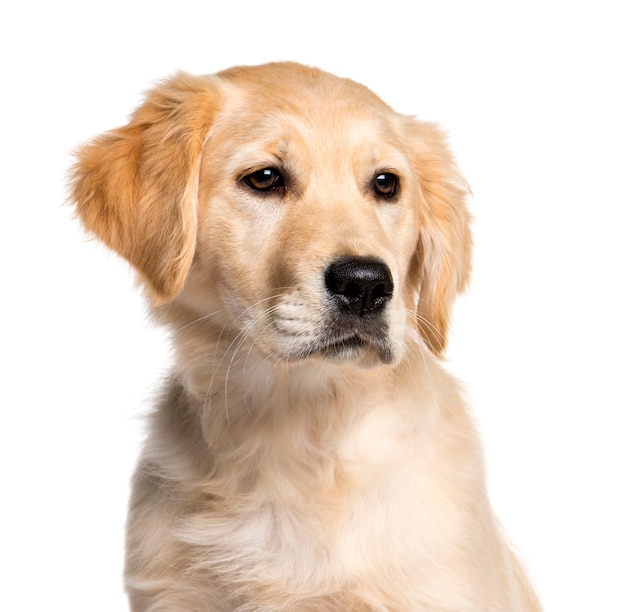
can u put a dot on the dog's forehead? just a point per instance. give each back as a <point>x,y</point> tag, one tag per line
<point>285,93</point>
<point>285,84</point>
<point>266,112</point>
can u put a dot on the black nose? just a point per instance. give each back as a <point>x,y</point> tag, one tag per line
<point>359,285</point>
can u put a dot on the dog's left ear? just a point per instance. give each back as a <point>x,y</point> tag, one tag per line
<point>442,262</point>
<point>136,187</point>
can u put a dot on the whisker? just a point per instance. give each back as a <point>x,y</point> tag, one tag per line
<point>221,310</point>
<point>431,384</point>
<point>419,319</point>
<point>233,349</point>
<point>200,319</point>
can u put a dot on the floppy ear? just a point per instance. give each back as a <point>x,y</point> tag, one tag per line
<point>136,187</point>
<point>443,259</point>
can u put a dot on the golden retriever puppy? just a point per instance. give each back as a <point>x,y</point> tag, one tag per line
<point>304,244</point>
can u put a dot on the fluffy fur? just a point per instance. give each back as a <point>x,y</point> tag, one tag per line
<point>307,453</point>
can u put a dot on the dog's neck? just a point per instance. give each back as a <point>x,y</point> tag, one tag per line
<point>241,399</point>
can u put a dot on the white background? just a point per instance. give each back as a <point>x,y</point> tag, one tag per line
<point>532,95</point>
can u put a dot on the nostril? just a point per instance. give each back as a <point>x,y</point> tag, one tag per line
<point>339,283</point>
<point>380,291</point>
<point>352,290</point>
<point>359,285</point>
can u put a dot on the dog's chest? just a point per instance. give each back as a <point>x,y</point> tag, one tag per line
<point>331,516</point>
<point>337,489</point>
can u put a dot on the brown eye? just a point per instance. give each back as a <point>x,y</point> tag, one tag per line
<point>385,184</point>
<point>266,179</point>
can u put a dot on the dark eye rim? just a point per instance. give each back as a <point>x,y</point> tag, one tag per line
<point>392,190</point>
<point>257,182</point>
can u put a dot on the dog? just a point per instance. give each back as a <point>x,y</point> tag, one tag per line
<point>303,243</point>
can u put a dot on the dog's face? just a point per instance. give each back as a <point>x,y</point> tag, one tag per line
<point>307,217</point>
<point>295,208</point>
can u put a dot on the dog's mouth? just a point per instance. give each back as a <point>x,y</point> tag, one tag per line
<point>350,348</point>
<point>339,346</point>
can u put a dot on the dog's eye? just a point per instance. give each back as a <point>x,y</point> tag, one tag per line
<point>266,179</point>
<point>385,184</point>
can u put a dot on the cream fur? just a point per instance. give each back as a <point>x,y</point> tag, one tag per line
<point>284,471</point>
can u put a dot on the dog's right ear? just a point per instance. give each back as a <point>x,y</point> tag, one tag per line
<point>136,187</point>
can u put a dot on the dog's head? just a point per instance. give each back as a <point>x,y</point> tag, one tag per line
<point>294,206</point>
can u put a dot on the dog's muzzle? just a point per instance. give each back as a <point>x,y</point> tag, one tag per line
<point>358,289</point>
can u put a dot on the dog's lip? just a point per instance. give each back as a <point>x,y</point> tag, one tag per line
<point>332,346</point>
<point>349,344</point>
<point>349,341</point>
